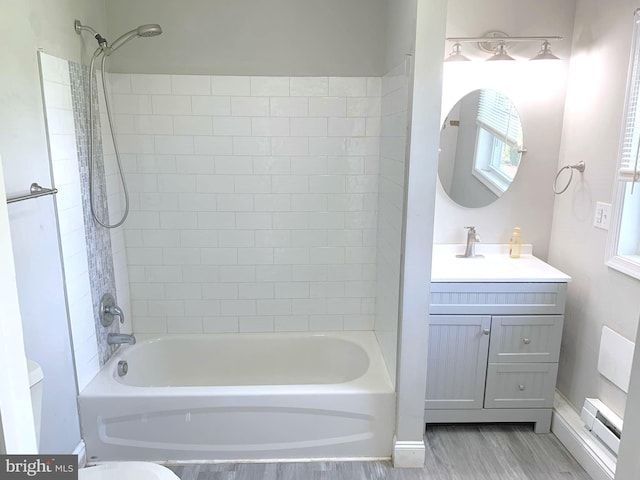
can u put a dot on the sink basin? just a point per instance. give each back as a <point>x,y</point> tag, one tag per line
<point>494,266</point>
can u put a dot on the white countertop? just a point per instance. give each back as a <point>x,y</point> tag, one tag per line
<point>496,266</point>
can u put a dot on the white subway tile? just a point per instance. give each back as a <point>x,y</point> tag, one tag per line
<point>347,127</point>
<point>192,125</point>
<point>156,163</point>
<point>150,84</point>
<point>292,290</point>
<point>363,107</point>
<point>139,144</point>
<point>214,183</point>
<point>310,203</point>
<point>362,183</point>
<point>253,221</point>
<point>345,238</point>
<point>176,183</point>
<point>360,289</point>
<point>145,220</point>
<point>256,324</point>
<point>181,256</point>
<point>119,83</point>
<point>255,291</point>
<point>228,165</point>
<point>171,105</point>
<point>269,127</point>
<point>153,124</point>
<point>201,273</point>
<point>289,146</point>
<point>220,324</point>
<point>326,255</point>
<point>368,306</point>
<point>344,306</point>
<point>374,86</point>
<point>271,165</point>
<point>238,307</point>
<point>190,85</point>
<point>327,289</point>
<point>310,306</point>
<point>271,238</point>
<point>195,164</point>
<point>163,308</point>
<point>216,220</point>
<point>290,220</point>
<point>183,291</point>
<point>273,273</point>
<point>213,145</point>
<point>163,274</point>
<point>308,127</point>
<point>133,104</point>
<point>149,324</point>
<point>147,291</point>
<point>327,184</point>
<point>291,256</point>
<point>347,86</point>
<point>252,184</point>
<point>144,256</point>
<point>324,323</point>
<point>270,86</point>
<point>240,126</point>
<point>361,255</point>
<point>219,256</point>
<point>290,184</point>
<point>231,85</point>
<point>309,165</point>
<point>372,127</point>
<point>308,238</point>
<point>251,146</point>
<point>206,105</point>
<point>250,106</point>
<point>291,323</point>
<point>328,146</point>
<point>309,273</point>
<point>156,201</point>
<point>236,238</point>
<point>327,106</point>
<point>272,203</point>
<point>235,202</point>
<point>289,107</point>
<point>309,86</point>
<point>344,272</point>
<point>199,238</point>
<point>202,307</point>
<point>178,220</point>
<point>353,165</point>
<point>361,220</point>
<point>184,325</point>
<point>350,202</point>
<point>359,322</point>
<point>220,291</point>
<point>255,256</point>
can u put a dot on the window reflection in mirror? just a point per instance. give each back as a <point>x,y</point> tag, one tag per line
<point>480,148</point>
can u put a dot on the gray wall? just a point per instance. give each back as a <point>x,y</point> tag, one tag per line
<point>245,37</point>
<point>400,32</point>
<point>30,26</point>
<point>597,295</point>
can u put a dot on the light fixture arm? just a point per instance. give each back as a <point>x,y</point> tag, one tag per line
<point>486,38</point>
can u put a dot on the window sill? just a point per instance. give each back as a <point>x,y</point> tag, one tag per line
<point>490,180</point>
<point>628,264</point>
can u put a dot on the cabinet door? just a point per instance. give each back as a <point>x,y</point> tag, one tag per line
<point>520,385</point>
<point>457,361</point>
<point>520,339</point>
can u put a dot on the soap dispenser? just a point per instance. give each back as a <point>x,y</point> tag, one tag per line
<point>515,243</point>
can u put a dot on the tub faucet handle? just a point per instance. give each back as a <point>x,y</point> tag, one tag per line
<point>109,309</point>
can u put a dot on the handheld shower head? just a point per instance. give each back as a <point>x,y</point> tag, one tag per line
<point>149,30</point>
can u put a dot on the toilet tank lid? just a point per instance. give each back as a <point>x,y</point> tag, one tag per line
<point>35,372</point>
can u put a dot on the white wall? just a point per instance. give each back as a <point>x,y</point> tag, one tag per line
<point>33,25</point>
<point>253,201</point>
<point>245,37</point>
<point>537,90</point>
<point>597,295</point>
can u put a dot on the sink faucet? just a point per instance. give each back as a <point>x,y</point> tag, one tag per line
<point>120,338</point>
<point>470,249</point>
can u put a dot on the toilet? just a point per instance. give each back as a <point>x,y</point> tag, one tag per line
<point>35,387</point>
<point>127,471</point>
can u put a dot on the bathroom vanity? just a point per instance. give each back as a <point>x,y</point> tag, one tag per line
<point>495,325</point>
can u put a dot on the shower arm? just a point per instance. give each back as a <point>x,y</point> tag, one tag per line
<point>79,28</point>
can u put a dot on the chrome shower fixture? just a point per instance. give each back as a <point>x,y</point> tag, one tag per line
<point>146,30</point>
<point>497,44</point>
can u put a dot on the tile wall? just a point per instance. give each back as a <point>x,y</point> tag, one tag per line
<point>253,201</point>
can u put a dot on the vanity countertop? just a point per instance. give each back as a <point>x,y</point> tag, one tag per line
<point>496,266</point>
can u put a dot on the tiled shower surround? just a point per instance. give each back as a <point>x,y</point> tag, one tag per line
<point>253,201</point>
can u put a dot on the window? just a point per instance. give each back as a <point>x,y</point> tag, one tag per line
<point>498,142</point>
<point>623,245</point>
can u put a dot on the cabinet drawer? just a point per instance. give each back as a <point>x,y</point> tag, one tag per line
<point>520,339</point>
<point>520,385</point>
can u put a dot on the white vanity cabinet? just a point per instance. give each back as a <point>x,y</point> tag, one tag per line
<point>493,351</point>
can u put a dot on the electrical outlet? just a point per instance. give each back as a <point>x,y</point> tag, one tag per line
<point>602,216</point>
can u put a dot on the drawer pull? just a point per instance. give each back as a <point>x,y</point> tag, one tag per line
<point>526,341</point>
<point>486,331</point>
<point>521,387</point>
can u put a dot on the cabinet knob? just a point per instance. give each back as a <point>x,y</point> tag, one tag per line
<point>526,341</point>
<point>521,387</point>
<point>486,331</point>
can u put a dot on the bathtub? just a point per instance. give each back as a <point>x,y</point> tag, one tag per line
<point>234,397</point>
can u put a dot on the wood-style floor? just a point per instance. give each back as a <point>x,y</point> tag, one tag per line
<point>454,452</point>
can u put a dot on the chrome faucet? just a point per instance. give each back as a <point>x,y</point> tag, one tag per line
<point>120,338</point>
<point>470,249</point>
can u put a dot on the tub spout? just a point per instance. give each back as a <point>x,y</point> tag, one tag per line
<point>120,338</point>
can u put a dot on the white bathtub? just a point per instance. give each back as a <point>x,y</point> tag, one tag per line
<point>241,397</point>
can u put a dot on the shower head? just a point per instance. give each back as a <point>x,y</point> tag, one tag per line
<point>149,30</point>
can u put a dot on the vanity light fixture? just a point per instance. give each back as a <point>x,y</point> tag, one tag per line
<point>456,54</point>
<point>497,44</point>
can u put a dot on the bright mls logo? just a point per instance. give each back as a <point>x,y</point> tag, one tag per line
<point>58,467</point>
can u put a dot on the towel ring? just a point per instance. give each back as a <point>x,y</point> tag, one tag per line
<point>580,166</point>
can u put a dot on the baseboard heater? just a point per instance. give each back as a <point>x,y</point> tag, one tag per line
<point>602,422</point>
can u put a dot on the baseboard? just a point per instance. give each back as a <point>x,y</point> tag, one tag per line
<point>81,452</point>
<point>594,457</point>
<point>408,454</point>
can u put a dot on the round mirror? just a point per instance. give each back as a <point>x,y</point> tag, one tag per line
<point>480,148</point>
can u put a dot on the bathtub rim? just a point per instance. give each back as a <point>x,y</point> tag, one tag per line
<point>375,380</point>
